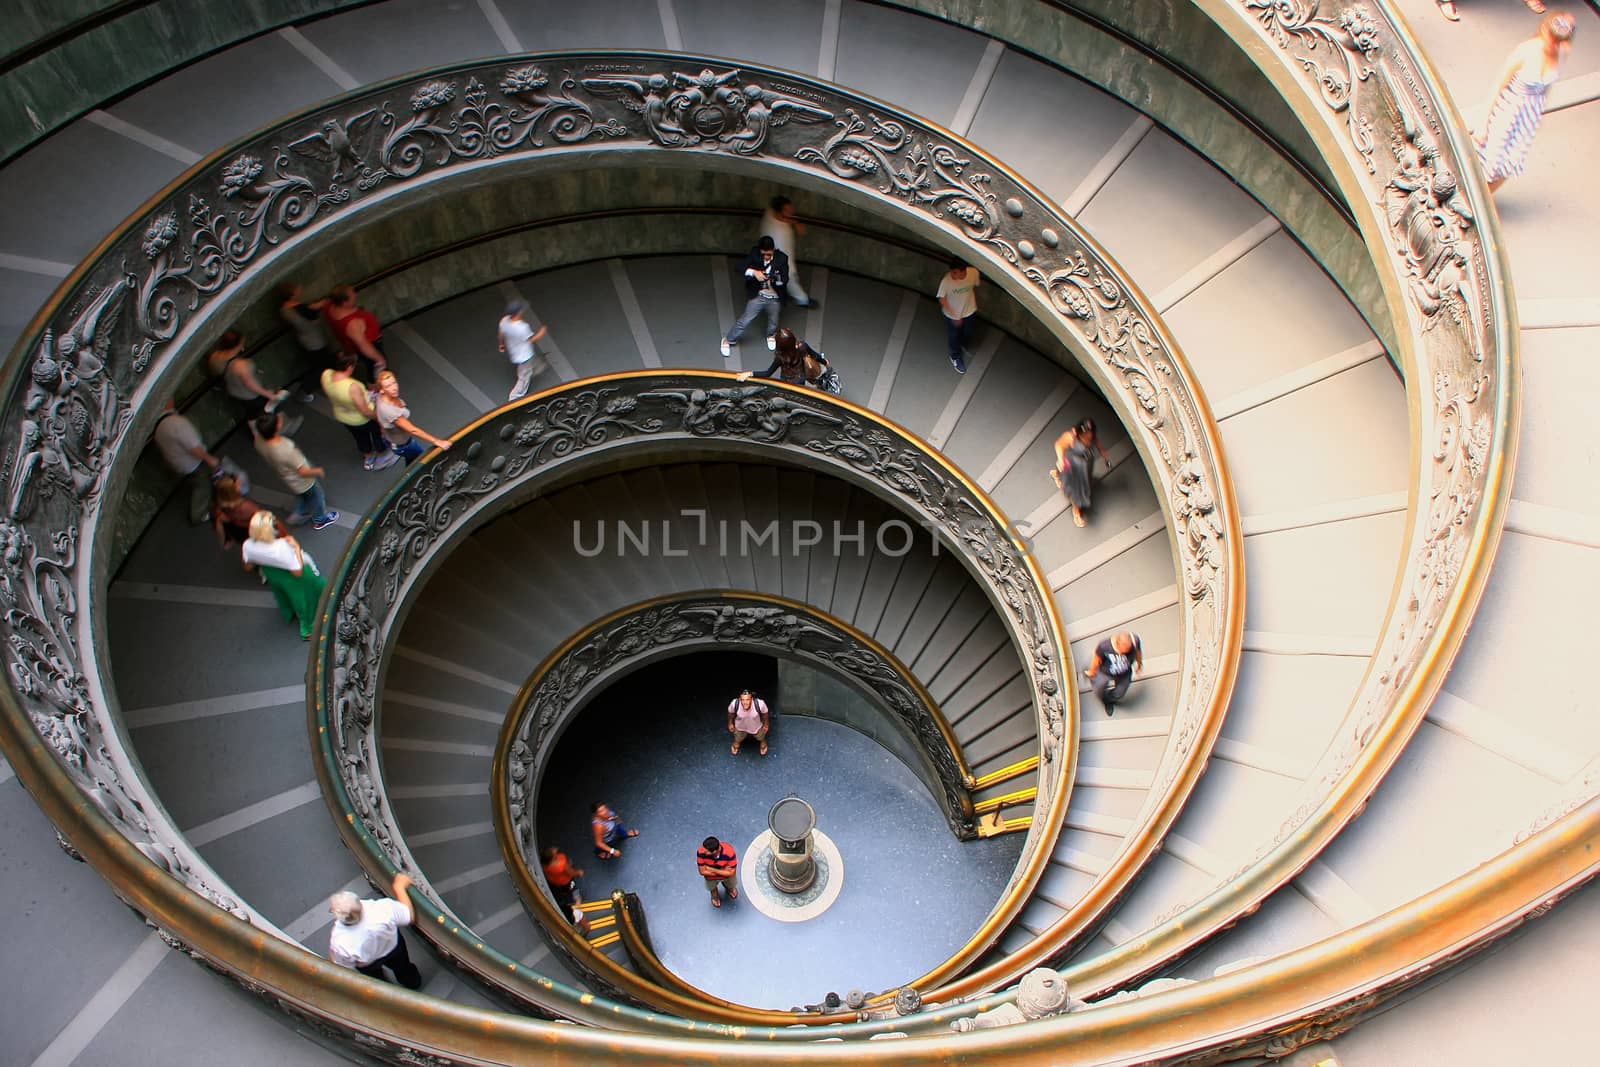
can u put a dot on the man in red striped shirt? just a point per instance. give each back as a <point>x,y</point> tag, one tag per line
<point>719,865</point>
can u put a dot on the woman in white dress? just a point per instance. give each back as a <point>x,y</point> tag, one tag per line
<point>1517,106</point>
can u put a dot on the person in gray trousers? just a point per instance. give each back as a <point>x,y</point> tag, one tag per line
<point>766,280</point>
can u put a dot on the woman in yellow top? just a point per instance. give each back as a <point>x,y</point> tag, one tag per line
<point>353,409</point>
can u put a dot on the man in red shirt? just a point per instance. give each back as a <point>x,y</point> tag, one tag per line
<point>719,865</point>
<point>563,878</point>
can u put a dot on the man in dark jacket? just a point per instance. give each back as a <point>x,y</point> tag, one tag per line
<point>766,279</point>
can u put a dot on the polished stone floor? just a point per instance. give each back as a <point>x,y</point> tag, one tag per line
<point>655,747</point>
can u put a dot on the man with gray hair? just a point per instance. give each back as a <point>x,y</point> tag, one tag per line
<point>366,934</point>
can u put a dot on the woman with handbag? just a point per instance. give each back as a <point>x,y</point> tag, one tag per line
<point>797,363</point>
<point>286,568</point>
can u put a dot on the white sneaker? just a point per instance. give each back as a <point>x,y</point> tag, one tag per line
<point>772,343</point>
<point>727,349</point>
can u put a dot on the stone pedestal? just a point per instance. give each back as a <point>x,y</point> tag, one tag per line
<point>792,867</point>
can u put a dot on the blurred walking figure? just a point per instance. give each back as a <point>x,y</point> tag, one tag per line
<point>366,934</point>
<point>1111,670</point>
<point>186,454</point>
<point>286,568</point>
<point>237,372</point>
<point>310,334</point>
<point>395,418</point>
<point>516,341</point>
<point>780,224</point>
<point>563,877</point>
<point>1517,106</point>
<point>1075,463</point>
<point>296,472</point>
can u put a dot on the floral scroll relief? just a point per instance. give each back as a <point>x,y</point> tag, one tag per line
<point>445,492</point>
<point>697,619</point>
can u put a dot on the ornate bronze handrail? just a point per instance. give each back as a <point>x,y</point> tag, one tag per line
<point>121,331</point>
<point>500,459</point>
<point>628,638</point>
<point>111,337</point>
<point>590,660</point>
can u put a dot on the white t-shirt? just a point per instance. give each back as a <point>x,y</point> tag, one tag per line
<point>174,437</point>
<point>517,336</point>
<point>278,553</point>
<point>371,937</point>
<point>781,232</point>
<point>747,721</point>
<point>960,293</point>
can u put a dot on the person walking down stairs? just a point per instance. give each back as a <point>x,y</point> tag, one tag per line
<point>1111,671</point>
<point>287,569</point>
<point>366,936</point>
<point>516,341</point>
<point>1516,108</point>
<point>296,473</point>
<point>766,280</point>
<point>958,299</point>
<point>562,878</point>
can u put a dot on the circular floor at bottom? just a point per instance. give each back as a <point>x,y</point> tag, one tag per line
<point>913,895</point>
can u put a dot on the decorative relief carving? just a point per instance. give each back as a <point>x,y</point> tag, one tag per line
<point>792,629</point>
<point>1353,66</point>
<point>497,457</point>
<point>140,298</point>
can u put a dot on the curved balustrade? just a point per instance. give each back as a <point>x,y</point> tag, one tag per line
<point>129,321</point>
<point>576,672</point>
<point>499,461</point>
<point>587,663</point>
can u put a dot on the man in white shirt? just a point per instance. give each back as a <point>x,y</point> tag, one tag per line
<point>182,449</point>
<point>958,299</point>
<point>366,934</point>
<point>516,340</point>
<point>780,224</point>
<point>748,716</point>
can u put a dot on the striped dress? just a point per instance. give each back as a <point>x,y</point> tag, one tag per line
<point>1513,120</point>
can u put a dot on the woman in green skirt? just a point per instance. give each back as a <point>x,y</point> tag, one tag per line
<point>286,568</point>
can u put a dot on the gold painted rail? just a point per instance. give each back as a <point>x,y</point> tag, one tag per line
<point>219,234</point>
<point>598,423</point>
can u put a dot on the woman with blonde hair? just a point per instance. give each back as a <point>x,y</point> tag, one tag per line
<point>286,568</point>
<point>1516,107</point>
<point>395,418</point>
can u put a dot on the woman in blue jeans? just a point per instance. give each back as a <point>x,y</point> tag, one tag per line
<point>394,416</point>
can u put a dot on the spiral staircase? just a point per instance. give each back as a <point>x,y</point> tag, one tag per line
<point>1282,916</point>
